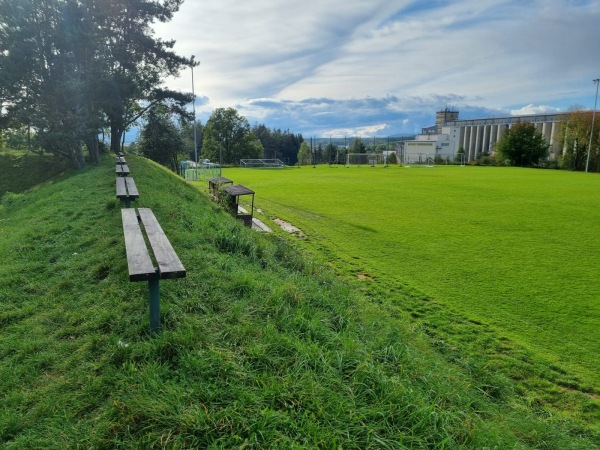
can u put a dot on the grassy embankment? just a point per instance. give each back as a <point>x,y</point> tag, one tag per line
<point>20,170</point>
<point>500,262</point>
<point>260,347</point>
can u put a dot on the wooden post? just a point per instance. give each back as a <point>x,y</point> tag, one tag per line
<point>153,285</point>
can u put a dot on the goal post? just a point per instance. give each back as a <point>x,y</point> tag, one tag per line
<point>262,163</point>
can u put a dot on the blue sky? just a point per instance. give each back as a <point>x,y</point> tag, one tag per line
<point>384,67</point>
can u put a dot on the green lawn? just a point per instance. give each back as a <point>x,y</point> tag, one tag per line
<point>514,250</point>
<point>260,346</point>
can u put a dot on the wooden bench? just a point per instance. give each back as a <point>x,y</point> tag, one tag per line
<point>154,264</point>
<point>122,170</point>
<point>126,190</point>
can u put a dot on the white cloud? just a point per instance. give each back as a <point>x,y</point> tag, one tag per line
<point>355,56</point>
<point>533,109</point>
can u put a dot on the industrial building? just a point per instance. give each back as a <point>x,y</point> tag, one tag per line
<point>475,136</point>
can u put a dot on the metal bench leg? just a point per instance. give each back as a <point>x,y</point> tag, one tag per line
<point>154,305</point>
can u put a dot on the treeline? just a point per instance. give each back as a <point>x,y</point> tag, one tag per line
<point>226,138</point>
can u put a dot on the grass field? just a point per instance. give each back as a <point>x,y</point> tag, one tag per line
<point>512,250</point>
<point>13,164</point>
<point>260,346</point>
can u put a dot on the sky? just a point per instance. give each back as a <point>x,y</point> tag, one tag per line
<point>384,67</point>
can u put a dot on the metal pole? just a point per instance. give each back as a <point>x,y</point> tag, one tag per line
<point>587,163</point>
<point>194,111</point>
<point>153,286</point>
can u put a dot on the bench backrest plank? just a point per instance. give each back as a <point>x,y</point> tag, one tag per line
<point>168,262</point>
<point>138,260</point>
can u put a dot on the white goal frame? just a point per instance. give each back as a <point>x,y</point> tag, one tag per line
<point>272,163</point>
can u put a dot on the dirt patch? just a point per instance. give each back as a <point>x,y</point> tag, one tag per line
<point>364,276</point>
<point>286,226</point>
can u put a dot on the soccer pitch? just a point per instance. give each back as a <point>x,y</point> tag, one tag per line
<point>517,250</point>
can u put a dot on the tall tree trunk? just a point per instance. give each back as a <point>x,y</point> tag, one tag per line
<point>93,148</point>
<point>76,156</point>
<point>115,138</point>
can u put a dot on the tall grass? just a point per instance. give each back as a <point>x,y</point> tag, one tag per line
<point>260,346</point>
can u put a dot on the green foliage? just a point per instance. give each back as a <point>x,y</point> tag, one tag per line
<point>260,347</point>
<point>279,144</point>
<point>227,138</point>
<point>304,155</point>
<point>161,140</point>
<point>71,68</point>
<point>574,138</point>
<point>392,158</point>
<point>8,198</point>
<point>522,145</point>
<point>358,146</point>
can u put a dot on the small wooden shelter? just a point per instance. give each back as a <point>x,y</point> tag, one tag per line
<point>235,192</point>
<point>214,184</point>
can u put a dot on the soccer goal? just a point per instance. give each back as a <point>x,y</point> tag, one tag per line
<point>273,163</point>
<point>203,171</point>
<point>364,159</point>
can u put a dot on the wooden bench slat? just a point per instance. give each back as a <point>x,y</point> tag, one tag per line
<point>168,262</point>
<point>121,188</point>
<point>131,187</point>
<point>139,263</point>
<point>122,169</point>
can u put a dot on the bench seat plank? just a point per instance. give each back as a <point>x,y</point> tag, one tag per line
<point>139,262</point>
<point>121,188</point>
<point>122,169</point>
<point>126,188</point>
<point>131,188</point>
<point>168,262</point>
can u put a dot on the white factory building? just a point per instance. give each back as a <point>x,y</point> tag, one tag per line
<point>476,137</point>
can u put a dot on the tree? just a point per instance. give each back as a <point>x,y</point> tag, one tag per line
<point>304,155</point>
<point>70,67</point>
<point>358,146</point>
<point>392,158</point>
<point>574,138</point>
<point>227,138</point>
<point>278,144</point>
<point>161,141</point>
<point>522,145</point>
<point>187,134</point>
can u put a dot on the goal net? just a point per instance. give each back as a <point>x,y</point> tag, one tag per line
<point>203,171</point>
<point>364,159</point>
<point>261,163</point>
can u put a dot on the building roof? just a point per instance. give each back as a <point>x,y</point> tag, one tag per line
<point>238,190</point>
<point>220,180</point>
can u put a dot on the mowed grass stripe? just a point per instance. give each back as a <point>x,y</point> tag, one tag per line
<point>514,248</point>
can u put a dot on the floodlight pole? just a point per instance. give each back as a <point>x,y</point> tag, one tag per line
<point>587,163</point>
<point>194,111</point>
